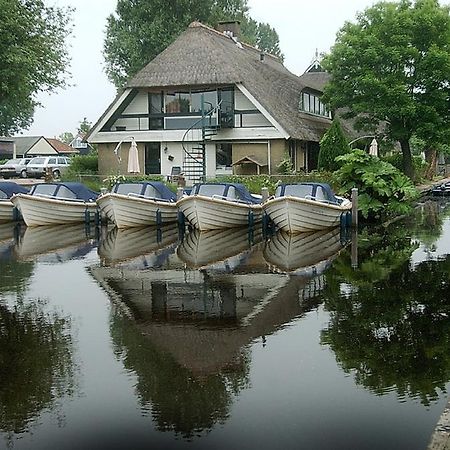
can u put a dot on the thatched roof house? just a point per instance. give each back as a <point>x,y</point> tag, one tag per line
<point>259,107</point>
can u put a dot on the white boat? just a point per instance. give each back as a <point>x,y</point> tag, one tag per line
<point>57,203</point>
<point>140,204</point>
<point>304,207</point>
<point>303,252</point>
<point>212,206</point>
<point>8,212</point>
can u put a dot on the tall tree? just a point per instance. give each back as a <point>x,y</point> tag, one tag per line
<point>141,29</point>
<point>391,69</point>
<point>84,127</point>
<point>332,144</point>
<point>33,58</point>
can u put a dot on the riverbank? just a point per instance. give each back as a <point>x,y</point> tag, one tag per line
<point>440,440</point>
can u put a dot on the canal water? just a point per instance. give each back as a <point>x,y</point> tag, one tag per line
<point>140,339</point>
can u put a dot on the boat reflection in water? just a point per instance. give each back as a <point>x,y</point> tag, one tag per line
<point>55,243</point>
<point>141,247</point>
<point>300,253</point>
<point>185,327</point>
<point>8,233</point>
<point>218,249</point>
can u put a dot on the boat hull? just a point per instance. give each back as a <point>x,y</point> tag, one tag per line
<point>37,211</point>
<point>6,211</point>
<point>106,208</point>
<point>131,212</point>
<point>296,215</point>
<point>206,213</point>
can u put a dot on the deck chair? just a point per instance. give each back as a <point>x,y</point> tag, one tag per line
<point>174,174</point>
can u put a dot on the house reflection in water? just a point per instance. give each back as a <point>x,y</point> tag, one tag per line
<point>186,332</point>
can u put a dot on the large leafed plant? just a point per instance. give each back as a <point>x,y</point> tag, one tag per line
<point>383,189</point>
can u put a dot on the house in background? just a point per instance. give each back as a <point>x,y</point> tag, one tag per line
<point>80,144</point>
<point>210,101</point>
<point>22,146</point>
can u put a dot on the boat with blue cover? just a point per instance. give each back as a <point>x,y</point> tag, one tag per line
<point>57,203</point>
<point>8,212</point>
<point>212,206</point>
<point>139,204</point>
<point>305,207</point>
<point>442,190</point>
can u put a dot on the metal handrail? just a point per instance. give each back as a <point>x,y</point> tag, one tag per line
<point>192,127</point>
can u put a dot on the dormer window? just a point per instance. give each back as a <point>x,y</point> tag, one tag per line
<point>312,104</point>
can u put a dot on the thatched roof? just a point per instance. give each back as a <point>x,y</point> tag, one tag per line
<point>203,56</point>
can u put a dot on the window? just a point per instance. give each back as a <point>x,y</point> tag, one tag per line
<point>45,189</point>
<point>223,155</point>
<point>64,192</point>
<point>128,188</point>
<point>312,104</point>
<point>52,160</point>
<point>209,100</point>
<point>178,102</point>
<point>3,196</point>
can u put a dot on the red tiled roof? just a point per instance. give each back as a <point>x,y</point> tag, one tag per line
<point>60,147</point>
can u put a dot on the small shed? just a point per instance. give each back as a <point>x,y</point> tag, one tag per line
<point>251,165</point>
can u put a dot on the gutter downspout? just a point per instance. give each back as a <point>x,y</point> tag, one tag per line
<point>268,157</point>
<point>14,150</point>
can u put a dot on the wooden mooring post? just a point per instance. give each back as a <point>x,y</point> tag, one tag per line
<point>354,207</point>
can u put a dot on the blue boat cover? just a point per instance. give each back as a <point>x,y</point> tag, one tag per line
<point>164,192</point>
<point>80,190</point>
<point>319,191</point>
<point>10,188</point>
<point>233,191</point>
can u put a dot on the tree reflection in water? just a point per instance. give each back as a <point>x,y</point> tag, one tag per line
<point>389,319</point>
<point>36,366</point>
<point>179,401</point>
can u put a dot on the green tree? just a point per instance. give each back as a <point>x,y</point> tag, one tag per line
<point>67,137</point>
<point>141,29</point>
<point>332,144</point>
<point>390,70</point>
<point>84,127</point>
<point>33,58</point>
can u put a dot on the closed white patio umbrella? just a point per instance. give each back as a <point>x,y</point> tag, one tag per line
<point>133,158</point>
<point>373,149</point>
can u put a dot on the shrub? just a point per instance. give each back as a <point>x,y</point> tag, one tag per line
<point>286,167</point>
<point>383,189</point>
<point>332,145</point>
<point>84,164</point>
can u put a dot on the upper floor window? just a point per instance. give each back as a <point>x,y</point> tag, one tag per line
<point>312,104</point>
<point>190,101</point>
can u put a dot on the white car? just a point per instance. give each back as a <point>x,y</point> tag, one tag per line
<point>38,166</point>
<point>15,168</point>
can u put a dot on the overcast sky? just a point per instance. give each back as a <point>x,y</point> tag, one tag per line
<point>303,26</point>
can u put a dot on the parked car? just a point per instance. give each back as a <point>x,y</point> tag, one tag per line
<point>15,168</point>
<point>38,166</point>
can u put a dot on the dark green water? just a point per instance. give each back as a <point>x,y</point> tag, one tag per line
<point>112,339</point>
